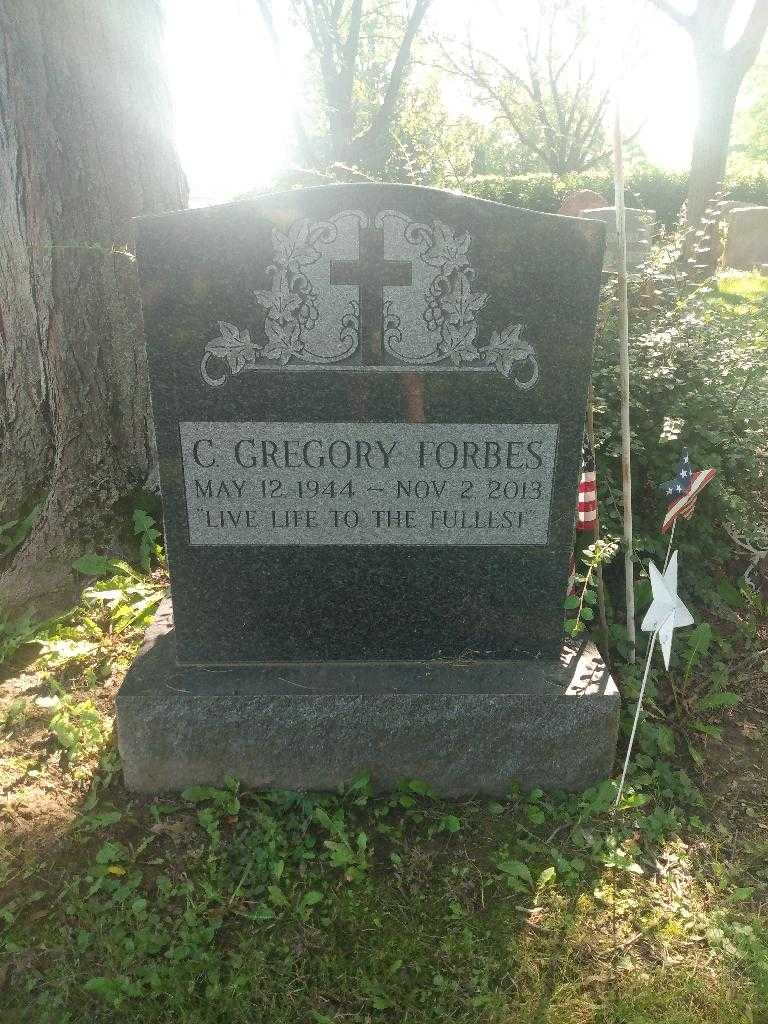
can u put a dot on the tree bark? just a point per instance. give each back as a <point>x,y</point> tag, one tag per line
<point>719,72</point>
<point>85,146</point>
<point>718,87</point>
<point>373,144</point>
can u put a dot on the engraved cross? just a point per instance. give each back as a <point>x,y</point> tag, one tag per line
<point>371,273</point>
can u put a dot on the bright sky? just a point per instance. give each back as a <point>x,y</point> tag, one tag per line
<point>234,101</point>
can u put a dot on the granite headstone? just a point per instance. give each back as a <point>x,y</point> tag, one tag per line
<point>576,203</point>
<point>746,240</point>
<point>369,403</point>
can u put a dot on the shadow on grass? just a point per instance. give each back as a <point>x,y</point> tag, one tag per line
<point>315,908</point>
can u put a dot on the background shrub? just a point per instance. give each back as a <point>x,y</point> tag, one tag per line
<point>650,188</point>
<point>699,365</point>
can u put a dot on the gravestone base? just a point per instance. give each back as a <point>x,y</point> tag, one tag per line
<point>461,727</point>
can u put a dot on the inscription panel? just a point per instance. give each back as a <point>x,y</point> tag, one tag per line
<point>368,483</point>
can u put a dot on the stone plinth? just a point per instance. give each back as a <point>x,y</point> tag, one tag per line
<point>463,727</point>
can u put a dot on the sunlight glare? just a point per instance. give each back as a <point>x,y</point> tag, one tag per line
<point>235,100</point>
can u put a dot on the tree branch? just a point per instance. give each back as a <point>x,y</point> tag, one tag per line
<point>744,51</point>
<point>265,9</point>
<point>384,114</point>
<point>349,52</point>
<point>683,20</point>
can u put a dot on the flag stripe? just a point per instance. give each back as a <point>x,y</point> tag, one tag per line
<point>586,506</point>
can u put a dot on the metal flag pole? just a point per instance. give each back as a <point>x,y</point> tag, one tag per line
<point>626,461</point>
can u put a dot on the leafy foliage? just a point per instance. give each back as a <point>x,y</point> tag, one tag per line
<point>14,533</point>
<point>699,368</point>
<point>749,149</point>
<point>357,62</point>
<point>582,604</point>
<point>130,597</point>
<point>78,727</point>
<point>145,529</point>
<point>647,188</point>
<point>14,633</point>
<point>282,906</point>
<point>546,98</point>
<point>298,906</point>
<point>699,365</point>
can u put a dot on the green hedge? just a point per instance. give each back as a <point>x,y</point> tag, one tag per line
<point>651,189</point>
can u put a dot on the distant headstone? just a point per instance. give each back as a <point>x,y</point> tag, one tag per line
<point>576,203</point>
<point>640,228</point>
<point>746,243</point>
<point>369,403</point>
<point>716,237</point>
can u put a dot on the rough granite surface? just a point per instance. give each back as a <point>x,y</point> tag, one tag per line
<point>463,728</point>
<point>307,601</point>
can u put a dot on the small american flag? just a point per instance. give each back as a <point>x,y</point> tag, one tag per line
<point>586,510</point>
<point>683,491</point>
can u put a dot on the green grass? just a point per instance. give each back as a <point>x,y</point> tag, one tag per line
<point>222,906</point>
<point>743,287</point>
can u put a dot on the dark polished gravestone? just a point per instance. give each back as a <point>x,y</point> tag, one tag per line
<point>369,403</point>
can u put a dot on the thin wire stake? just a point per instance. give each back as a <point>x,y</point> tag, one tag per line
<point>626,459</point>
<point>669,546</point>
<point>637,716</point>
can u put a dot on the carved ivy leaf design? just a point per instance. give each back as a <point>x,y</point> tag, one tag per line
<point>473,303</point>
<point>294,249</point>
<point>234,345</point>
<point>280,301</point>
<point>461,305</point>
<point>235,361</point>
<point>458,342</point>
<point>229,332</point>
<point>507,348</point>
<point>459,328</point>
<point>283,339</point>
<point>291,303</point>
<point>447,252</point>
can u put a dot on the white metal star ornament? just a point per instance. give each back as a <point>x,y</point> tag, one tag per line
<point>667,612</point>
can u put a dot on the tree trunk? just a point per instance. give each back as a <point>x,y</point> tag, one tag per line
<point>718,86</point>
<point>720,71</point>
<point>84,147</point>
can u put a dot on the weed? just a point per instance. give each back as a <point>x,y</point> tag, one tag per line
<point>78,727</point>
<point>13,715</point>
<point>583,605</point>
<point>14,635</point>
<point>14,533</point>
<point>145,529</point>
<point>129,596</point>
